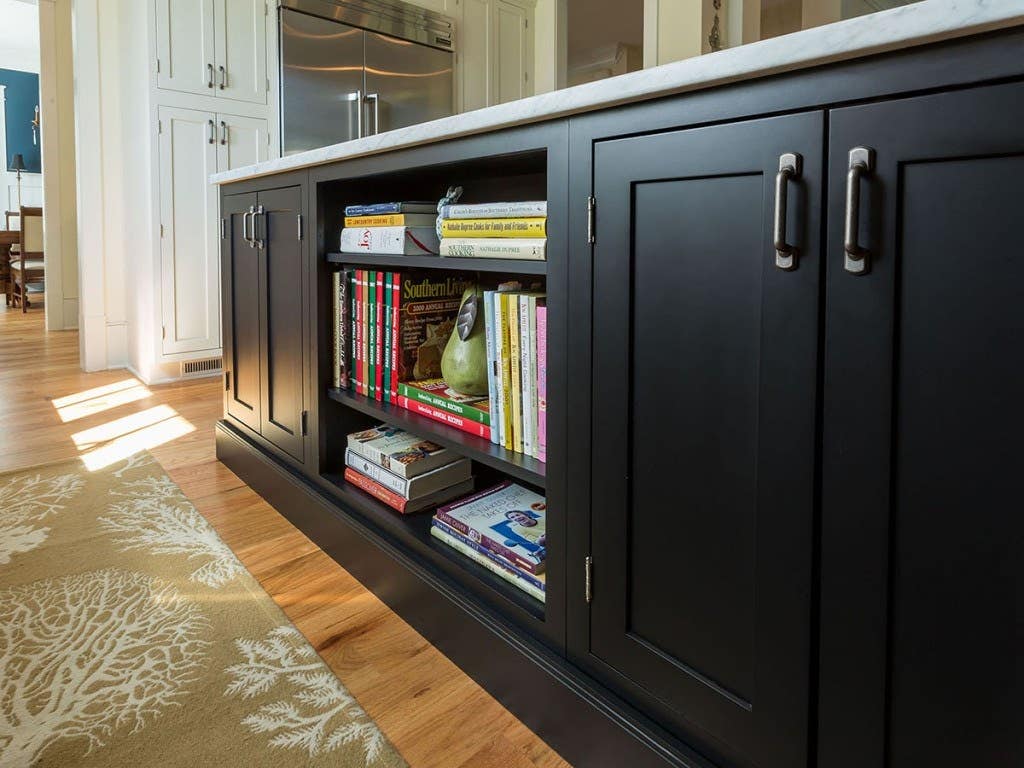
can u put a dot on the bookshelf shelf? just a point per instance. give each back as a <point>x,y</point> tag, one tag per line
<point>514,266</point>
<point>413,531</point>
<point>517,465</point>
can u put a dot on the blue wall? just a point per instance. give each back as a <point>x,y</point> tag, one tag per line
<point>22,98</point>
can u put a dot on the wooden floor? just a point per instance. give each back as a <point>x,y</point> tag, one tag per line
<point>50,410</point>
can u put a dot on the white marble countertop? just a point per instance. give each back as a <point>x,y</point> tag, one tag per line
<point>923,22</point>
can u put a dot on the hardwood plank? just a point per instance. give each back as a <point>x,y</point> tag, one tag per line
<point>434,714</point>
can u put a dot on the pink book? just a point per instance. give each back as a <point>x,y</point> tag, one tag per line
<point>542,383</point>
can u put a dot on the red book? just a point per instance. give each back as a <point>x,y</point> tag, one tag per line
<point>398,502</point>
<point>376,490</point>
<point>451,419</point>
<point>396,342</point>
<point>359,332</point>
<point>379,336</point>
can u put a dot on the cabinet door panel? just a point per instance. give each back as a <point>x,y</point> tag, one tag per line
<point>282,357</point>
<point>241,36</point>
<point>511,57</point>
<point>241,292</point>
<point>185,45</point>
<point>704,390</point>
<point>190,272</point>
<point>921,537</point>
<point>243,141</point>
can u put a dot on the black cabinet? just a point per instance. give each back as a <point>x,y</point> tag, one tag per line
<point>921,601</point>
<point>704,392</point>
<point>263,280</point>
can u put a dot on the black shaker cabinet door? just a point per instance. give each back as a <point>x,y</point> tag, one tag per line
<point>240,287</point>
<point>282,358</point>
<point>705,360</point>
<point>922,532</point>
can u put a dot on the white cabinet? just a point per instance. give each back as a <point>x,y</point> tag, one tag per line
<point>192,145</point>
<point>213,48</point>
<point>495,44</point>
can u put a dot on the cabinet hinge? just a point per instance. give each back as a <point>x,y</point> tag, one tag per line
<point>227,381</point>
<point>305,423</point>
<point>223,229</point>
<point>158,66</point>
<point>161,230</point>
<point>298,218</point>
<point>163,331</point>
<point>588,579</point>
<point>268,85</point>
<point>591,206</point>
<point>159,126</point>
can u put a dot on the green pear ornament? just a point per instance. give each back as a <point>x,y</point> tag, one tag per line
<point>464,362</point>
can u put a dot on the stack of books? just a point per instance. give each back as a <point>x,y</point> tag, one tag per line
<point>517,357</point>
<point>502,529</point>
<point>495,230</point>
<point>404,228</point>
<point>404,471</point>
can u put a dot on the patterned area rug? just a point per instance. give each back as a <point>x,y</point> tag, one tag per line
<point>130,635</point>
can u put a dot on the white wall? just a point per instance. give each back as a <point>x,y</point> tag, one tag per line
<point>19,50</point>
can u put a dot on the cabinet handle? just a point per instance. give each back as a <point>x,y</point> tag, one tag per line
<point>356,97</point>
<point>245,226</point>
<point>862,163</point>
<point>223,77</point>
<point>212,138</point>
<point>223,133</point>
<point>260,242</point>
<point>375,98</point>
<point>790,167</point>
<point>209,75</point>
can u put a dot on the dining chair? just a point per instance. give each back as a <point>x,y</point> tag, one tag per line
<point>27,268</point>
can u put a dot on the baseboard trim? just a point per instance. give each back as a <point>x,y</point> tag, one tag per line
<point>575,715</point>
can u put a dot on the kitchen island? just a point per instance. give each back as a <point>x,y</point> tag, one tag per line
<point>779,314</point>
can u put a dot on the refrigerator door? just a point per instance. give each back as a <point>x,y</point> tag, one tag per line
<point>321,82</point>
<point>406,83</point>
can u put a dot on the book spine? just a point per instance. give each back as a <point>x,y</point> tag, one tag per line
<point>532,336</point>
<point>493,248</point>
<point>360,292</point>
<point>371,334</point>
<point>530,209</point>
<point>517,227</point>
<point>459,409</point>
<point>378,354</point>
<point>373,210</point>
<point>486,541</point>
<point>542,383</point>
<point>530,578</point>
<point>492,392</point>
<point>487,559</point>
<point>377,473</point>
<point>343,322</point>
<point>396,341</point>
<point>336,293</point>
<point>389,240</point>
<point>378,491</point>
<point>526,372</point>
<point>390,220</point>
<point>351,352</point>
<point>515,359</point>
<point>437,414</point>
<point>386,358</point>
<point>506,373</point>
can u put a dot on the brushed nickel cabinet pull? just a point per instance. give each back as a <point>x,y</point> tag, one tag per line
<point>790,168</point>
<point>857,260</point>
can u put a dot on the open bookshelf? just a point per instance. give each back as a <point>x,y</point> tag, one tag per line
<point>387,261</point>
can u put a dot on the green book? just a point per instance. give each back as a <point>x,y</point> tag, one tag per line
<point>371,383</point>
<point>436,392</point>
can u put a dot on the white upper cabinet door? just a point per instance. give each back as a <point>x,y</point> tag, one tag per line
<point>242,50</point>
<point>474,48</point>
<point>185,47</point>
<point>189,256</point>
<point>241,141</point>
<point>512,53</point>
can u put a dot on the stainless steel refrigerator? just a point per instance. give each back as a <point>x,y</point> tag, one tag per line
<point>353,69</point>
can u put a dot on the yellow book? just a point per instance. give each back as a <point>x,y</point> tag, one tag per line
<point>506,373</point>
<point>512,318</point>
<point>392,220</point>
<point>494,227</point>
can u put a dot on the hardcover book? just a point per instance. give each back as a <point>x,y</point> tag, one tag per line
<point>528,209</point>
<point>436,480</point>
<point>388,338</point>
<point>445,417</point>
<point>532,248</point>
<point>492,359</point>
<point>535,227</point>
<point>429,304</point>
<point>392,220</point>
<point>336,281</point>
<point>402,241</point>
<point>398,451</point>
<point>484,557</point>
<point>436,392</point>
<point>374,209</point>
<point>400,504</point>
<point>542,383</point>
<point>507,519</point>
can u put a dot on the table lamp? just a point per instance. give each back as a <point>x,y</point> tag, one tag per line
<point>18,164</point>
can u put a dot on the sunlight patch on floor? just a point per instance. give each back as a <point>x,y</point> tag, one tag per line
<point>116,440</point>
<point>99,399</point>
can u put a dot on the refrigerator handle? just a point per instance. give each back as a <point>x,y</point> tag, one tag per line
<point>356,97</point>
<point>375,98</point>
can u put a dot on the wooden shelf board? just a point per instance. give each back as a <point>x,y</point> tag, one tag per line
<point>517,465</point>
<point>413,531</point>
<point>516,266</point>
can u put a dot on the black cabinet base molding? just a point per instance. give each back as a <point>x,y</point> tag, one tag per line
<point>574,715</point>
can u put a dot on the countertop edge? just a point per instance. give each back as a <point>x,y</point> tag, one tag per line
<point>919,24</point>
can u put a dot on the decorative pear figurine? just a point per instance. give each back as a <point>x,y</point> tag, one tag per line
<point>464,363</point>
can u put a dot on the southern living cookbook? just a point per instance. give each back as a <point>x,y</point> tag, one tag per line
<point>507,519</point>
<point>445,417</point>
<point>535,227</point>
<point>428,305</point>
<point>402,241</point>
<point>399,451</point>
<point>436,392</point>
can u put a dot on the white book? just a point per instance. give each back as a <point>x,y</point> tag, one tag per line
<point>492,360</point>
<point>526,248</point>
<point>411,488</point>
<point>526,209</point>
<point>499,381</point>
<point>402,241</point>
